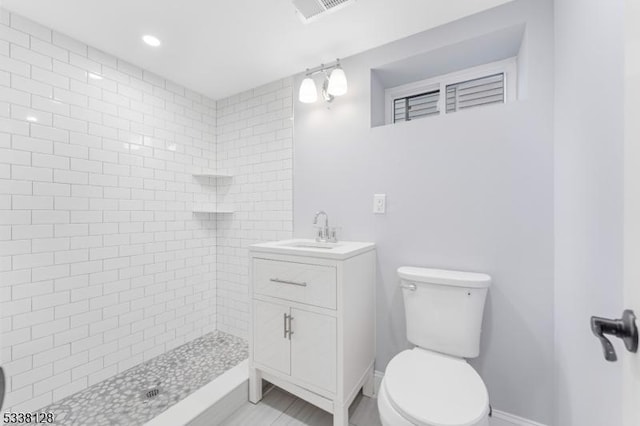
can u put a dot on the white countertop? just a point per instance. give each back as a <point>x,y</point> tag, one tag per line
<point>308,247</point>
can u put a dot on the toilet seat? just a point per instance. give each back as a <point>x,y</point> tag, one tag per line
<point>428,388</point>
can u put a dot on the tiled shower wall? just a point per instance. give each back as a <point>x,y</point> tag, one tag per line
<point>255,145</point>
<point>103,264</point>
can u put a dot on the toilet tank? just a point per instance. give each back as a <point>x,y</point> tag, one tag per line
<point>444,309</point>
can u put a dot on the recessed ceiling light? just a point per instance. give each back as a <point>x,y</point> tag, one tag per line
<point>151,40</point>
<point>94,76</point>
<point>32,119</point>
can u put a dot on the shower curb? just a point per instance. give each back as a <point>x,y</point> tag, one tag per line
<point>210,404</point>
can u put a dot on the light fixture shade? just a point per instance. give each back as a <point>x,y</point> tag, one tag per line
<point>308,91</point>
<point>337,82</point>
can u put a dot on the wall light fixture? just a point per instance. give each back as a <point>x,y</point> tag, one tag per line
<point>334,83</point>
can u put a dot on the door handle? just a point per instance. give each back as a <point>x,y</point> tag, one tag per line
<point>624,328</point>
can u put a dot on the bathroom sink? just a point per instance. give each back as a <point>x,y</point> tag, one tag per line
<point>309,247</point>
<point>312,244</point>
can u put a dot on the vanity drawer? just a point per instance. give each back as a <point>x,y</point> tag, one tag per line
<point>299,282</point>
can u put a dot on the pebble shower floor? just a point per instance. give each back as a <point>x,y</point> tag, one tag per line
<point>137,395</point>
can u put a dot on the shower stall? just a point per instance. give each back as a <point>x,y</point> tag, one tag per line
<point>127,203</point>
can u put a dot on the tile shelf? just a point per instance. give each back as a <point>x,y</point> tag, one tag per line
<point>215,175</point>
<point>213,211</point>
<point>212,175</point>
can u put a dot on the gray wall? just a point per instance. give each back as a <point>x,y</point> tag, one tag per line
<point>468,191</point>
<point>588,206</point>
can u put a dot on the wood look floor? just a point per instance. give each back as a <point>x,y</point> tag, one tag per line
<point>280,408</point>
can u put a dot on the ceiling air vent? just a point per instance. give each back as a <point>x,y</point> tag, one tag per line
<point>310,10</point>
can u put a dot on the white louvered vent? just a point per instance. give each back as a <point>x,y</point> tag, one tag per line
<point>416,106</point>
<point>477,92</point>
<point>309,10</point>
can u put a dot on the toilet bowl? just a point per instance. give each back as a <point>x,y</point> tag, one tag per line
<point>432,384</point>
<point>425,388</point>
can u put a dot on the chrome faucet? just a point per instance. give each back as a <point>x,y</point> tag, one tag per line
<point>323,231</point>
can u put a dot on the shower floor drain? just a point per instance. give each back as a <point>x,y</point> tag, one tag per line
<point>152,393</point>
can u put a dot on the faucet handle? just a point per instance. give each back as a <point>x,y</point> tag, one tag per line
<point>333,234</point>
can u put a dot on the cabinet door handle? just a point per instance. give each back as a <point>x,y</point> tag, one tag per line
<point>278,280</point>
<point>284,325</point>
<point>290,331</point>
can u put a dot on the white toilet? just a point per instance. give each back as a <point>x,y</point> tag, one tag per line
<point>432,384</point>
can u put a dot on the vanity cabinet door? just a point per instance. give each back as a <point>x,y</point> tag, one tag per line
<point>313,349</point>
<point>271,347</point>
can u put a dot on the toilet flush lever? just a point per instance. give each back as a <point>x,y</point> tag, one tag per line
<point>624,328</point>
<point>408,286</point>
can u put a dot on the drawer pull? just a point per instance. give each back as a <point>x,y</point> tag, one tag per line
<point>278,280</point>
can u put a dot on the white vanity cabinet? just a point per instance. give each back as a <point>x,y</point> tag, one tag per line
<point>308,356</point>
<point>313,321</point>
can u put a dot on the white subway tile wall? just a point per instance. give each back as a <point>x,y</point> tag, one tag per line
<point>103,264</point>
<point>255,145</point>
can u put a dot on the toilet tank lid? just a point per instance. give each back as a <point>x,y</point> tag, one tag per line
<point>444,277</point>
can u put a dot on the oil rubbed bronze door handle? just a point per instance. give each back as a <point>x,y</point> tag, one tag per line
<point>624,328</point>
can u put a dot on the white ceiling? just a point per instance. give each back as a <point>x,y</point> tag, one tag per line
<point>219,48</point>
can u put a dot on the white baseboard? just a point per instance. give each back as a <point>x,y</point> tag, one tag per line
<point>377,376</point>
<point>499,418</point>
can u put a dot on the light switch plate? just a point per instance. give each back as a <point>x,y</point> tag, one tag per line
<point>379,203</point>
